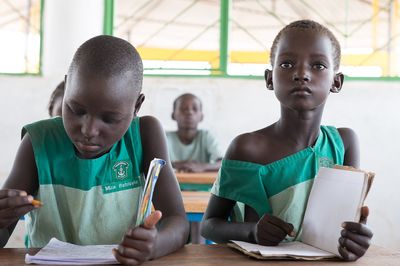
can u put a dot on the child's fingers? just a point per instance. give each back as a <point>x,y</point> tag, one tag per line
<point>358,228</point>
<point>361,240</point>
<point>271,230</point>
<point>287,227</point>
<point>364,214</point>
<point>5,193</point>
<point>123,260</point>
<point>152,220</point>
<point>346,255</point>
<point>15,201</point>
<point>352,246</point>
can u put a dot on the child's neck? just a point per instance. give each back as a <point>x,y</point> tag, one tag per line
<point>186,136</point>
<point>299,128</point>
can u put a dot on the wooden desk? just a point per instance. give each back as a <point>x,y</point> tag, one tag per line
<point>195,203</point>
<point>198,255</point>
<point>206,178</point>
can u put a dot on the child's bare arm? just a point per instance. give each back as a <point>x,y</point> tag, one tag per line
<point>15,195</point>
<point>351,147</point>
<point>172,230</point>
<point>355,237</point>
<point>268,231</point>
<point>216,227</point>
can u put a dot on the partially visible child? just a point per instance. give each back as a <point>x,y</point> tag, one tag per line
<point>88,167</point>
<point>192,149</point>
<point>271,170</point>
<point>56,99</point>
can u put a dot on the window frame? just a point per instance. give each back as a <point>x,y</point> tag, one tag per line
<point>222,71</point>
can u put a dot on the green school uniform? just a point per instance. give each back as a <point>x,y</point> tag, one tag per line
<point>85,201</point>
<point>204,148</point>
<point>280,188</point>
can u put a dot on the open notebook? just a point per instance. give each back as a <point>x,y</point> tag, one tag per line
<point>57,252</point>
<point>337,195</point>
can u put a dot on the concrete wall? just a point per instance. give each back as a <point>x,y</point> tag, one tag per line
<point>231,106</point>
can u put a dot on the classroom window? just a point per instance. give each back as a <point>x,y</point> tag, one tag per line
<point>20,32</point>
<point>233,37</point>
<point>171,35</point>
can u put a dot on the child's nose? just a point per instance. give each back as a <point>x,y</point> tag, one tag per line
<point>301,74</point>
<point>89,128</point>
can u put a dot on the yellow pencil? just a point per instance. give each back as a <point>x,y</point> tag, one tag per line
<point>36,203</point>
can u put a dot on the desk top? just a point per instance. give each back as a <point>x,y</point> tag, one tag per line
<point>197,255</point>
<point>205,178</point>
<point>195,201</point>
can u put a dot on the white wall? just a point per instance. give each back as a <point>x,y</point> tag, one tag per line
<point>231,106</point>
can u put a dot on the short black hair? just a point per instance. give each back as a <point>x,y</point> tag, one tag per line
<point>57,93</point>
<point>108,56</point>
<point>184,96</point>
<point>311,26</point>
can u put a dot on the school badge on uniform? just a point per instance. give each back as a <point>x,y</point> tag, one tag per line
<point>120,170</point>
<point>121,177</point>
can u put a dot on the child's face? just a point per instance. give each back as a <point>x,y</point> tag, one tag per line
<point>97,112</point>
<point>188,113</point>
<point>303,72</point>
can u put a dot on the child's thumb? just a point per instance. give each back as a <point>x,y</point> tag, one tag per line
<point>364,214</point>
<point>152,220</point>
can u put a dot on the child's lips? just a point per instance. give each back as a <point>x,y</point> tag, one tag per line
<point>87,147</point>
<point>301,91</point>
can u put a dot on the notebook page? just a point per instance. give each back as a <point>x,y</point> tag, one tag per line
<point>58,252</point>
<point>336,196</point>
<point>284,249</point>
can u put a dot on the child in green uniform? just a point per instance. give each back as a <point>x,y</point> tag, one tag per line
<point>88,167</point>
<point>192,149</point>
<point>270,171</point>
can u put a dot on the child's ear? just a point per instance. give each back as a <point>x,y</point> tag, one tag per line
<point>337,83</point>
<point>268,79</point>
<point>138,104</point>
<point>173,115</point>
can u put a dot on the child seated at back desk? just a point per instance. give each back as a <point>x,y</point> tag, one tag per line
<point>271,170</point>
<point>88,167</point>
<point>191,149</point>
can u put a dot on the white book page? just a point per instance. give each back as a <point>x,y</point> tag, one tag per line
<point>58,252</point>
<point>336,197</point>
<point>284,249</point>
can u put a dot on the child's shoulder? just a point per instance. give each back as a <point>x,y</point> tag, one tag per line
<point>148,122</point>
<point>151,129</point>
<point>349,137</point>
<point>251,147</point>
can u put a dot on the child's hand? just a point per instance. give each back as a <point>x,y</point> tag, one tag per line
<point>271,230</point>
<point>356,238</point>
<point>138,244</point>
<point>13,204</point>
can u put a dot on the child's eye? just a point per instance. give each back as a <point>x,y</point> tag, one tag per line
<point>286,65</point>
<point>319,66</point>
<point>77,111</point>
<point>110,120</point>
